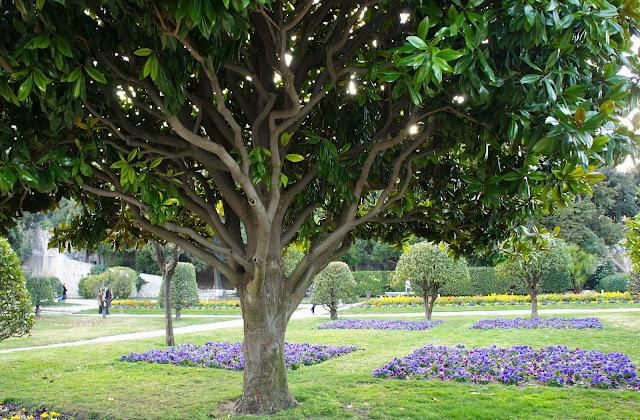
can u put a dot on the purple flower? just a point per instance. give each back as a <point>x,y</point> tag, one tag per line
<point>574,323</point>
<point>377,324</point>
<point>552,365</point>
<point>229,355</point>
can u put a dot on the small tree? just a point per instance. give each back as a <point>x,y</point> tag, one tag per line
<point>633,245</point>
<point>184,289</point>
<point>122,281</point>
<point>16,318</point>
<point>583,267</point>
<point>333,286</point>
<point>41,292</point>
<point>532,254</point>
<point>428,267</point>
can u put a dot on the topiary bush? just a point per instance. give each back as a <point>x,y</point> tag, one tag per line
<point>333,286</point>
<point>16,318</point>
<point>614,283</point>
<point>371,283</point>
<point>122,281</point>
<point>184,289</point>
<point>56,286</point>
<point>458,286</point>
<point>39,288</point>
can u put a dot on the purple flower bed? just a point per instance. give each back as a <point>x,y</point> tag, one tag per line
<point>228,355</point>
<point>15,411</point>
<point>378,324</point>
<point>500,323</point>
<point>553,365</point>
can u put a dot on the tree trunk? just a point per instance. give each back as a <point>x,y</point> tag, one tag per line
<point>265,310</point>
<point>533,292</point>
<point>168,323</point>
<point>333,310</point>
<point>37,314</point>
<point>427,306</point>
<point>177,313</point>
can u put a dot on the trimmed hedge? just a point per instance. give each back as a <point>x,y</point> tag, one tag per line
<point>614,283</point>
<point>372,283</point>
<point>483,281</point>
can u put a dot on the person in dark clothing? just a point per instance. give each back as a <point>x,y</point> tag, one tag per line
<point>313,308</point>
<point>64,292</point>
<point>108,297</point>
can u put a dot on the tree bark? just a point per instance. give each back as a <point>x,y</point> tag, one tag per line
<point>265,310</point>
<point>177,313</point>
<point>333,310</point>
<point>533,292</point>
<point>168,323</point>
<point>427,306</point>
<point>37,314</point>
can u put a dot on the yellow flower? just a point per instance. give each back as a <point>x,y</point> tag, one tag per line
<point>44,415</point>
<point>54,414</point>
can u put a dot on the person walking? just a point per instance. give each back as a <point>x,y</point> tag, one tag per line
<point>108,297</point>
<point>64,292</point>
<point>313,309</point>
<point>101,300</point>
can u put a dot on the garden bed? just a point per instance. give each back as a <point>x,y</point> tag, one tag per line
<point>507,300</point>
<point>18,412</point>
<point>500,323</point>
<point>153,304</point>
<point>228,355</point>
<point>378,324</point>
<point>519,365</point>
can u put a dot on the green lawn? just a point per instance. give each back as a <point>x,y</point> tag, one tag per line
<point>91,382</point>
<point>457,308</point>
<point>56,328</point>
<point>156,311</point>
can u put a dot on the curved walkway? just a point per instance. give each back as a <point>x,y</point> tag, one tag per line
<point>302,314</point>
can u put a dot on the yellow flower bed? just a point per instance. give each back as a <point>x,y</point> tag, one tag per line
<point>502,299</point>
<point>135,303</point>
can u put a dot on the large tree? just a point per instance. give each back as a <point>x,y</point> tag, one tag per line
<point>235,128</point>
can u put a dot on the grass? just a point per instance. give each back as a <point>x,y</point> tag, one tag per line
<point>156,311</point>
<point>54,328</point>
<point>91,382</point>
<point>457,308</point>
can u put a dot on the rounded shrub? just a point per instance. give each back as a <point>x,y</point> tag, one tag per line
<point>184,289</point>
<point>614,283</point>
<point>97,269</point>
<point>56,285</point>
<point>39,288</point>
<point>122,281</point>
<point>16,318</point>
<point>332,286</point>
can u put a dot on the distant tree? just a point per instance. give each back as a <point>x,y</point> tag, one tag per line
<point>428,267</point>
<point>584,264</point>
<point>122,281</point>
<point>371,255</point>
<point>16,317</point>
<point>39,288</point>
<point>532,254</point>
<point>291,258</point>
<point>334,286</point>
<point>184,289</point>
<point>146,260</point>
<point>632,243</point>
